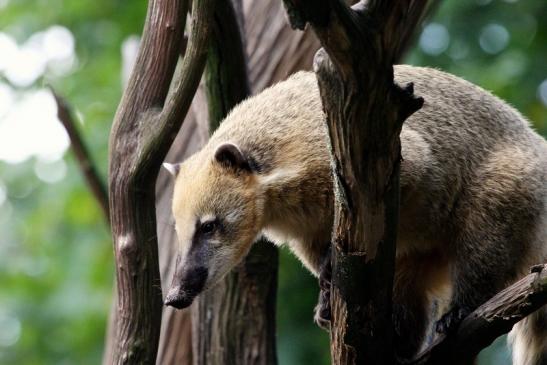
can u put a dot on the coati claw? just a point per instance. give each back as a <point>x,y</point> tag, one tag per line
<point>322,311</point>
<point>451,320</point>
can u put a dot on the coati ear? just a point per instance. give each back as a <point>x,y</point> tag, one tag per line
<point>229,155</point>
<point>173,168</point>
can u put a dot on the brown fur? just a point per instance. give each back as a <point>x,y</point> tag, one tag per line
<point>473,193</point>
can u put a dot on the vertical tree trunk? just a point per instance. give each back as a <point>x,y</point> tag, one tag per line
<point>275,51</point>
<point>365,111</point>
<point>132,215</point>
<point>145,125</point>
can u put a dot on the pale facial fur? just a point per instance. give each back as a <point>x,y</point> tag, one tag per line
<point>216,213</point>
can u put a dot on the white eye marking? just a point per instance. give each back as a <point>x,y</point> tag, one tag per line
<point>207,218</point>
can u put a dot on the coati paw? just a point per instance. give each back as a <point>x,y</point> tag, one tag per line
<point>322,316</point>
<point>451,320</point>
<point>322,310</point>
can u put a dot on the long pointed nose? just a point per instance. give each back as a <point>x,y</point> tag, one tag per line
<point>187,284</point>
<point>176,298</point>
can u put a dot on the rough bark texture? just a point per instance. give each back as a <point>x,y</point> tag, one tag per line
<point>145,125</point>
<point>365,111</point>
<point>491,320</point>
<point>274,52</point>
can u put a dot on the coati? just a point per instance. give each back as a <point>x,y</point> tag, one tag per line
<point>473,209</point>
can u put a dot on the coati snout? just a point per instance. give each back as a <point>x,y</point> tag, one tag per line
<point>187,284</point>
<point>216,218</point>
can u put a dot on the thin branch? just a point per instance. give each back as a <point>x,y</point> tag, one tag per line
<point>83,157</point>
<point>408,38</point>
<point>491,320</point>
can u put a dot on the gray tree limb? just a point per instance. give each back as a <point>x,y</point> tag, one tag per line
<point>145,125</point>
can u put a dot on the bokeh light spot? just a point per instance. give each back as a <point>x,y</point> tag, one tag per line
<point>493,38</point>
<point>542,92</point>
<point>50,172</point>
<point>10,330</point>
<point>3,193</point>
<point>434,39</point>
<point>31,128</point>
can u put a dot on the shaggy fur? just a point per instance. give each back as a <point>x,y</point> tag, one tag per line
<point>473,211</point>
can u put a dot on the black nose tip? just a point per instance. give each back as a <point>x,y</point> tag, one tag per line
<point>186,287</point>
<point>178,299</point>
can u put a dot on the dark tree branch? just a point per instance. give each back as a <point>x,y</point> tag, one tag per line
<point>365,111</point>
<point>83,157</point>
<point>491,320</point>
<point>141,135</point>
<point>234,322</point>
<point>226,75</point>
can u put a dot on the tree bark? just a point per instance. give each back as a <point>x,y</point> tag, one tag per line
<point>145,125</point>
<point>365,111</point>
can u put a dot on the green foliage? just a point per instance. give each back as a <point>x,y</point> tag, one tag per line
<point>56,268</point>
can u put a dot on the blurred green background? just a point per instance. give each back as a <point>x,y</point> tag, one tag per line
<point>55,250</point>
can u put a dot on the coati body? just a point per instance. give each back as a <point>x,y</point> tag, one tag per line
<point>473,215</point>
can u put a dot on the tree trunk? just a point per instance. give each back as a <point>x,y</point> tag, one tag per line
<point>365,111</point>
<point>147,120</point>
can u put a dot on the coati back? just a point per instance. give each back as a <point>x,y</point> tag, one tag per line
<point>473,214</point>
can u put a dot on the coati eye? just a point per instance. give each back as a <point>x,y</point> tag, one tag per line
<point>207,227</point>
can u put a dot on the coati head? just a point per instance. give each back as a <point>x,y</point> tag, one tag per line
<point>217,207</point>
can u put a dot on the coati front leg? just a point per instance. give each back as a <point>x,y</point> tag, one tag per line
<point>410,303</point>
<point>322,310</point>
<point>410,306</point>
